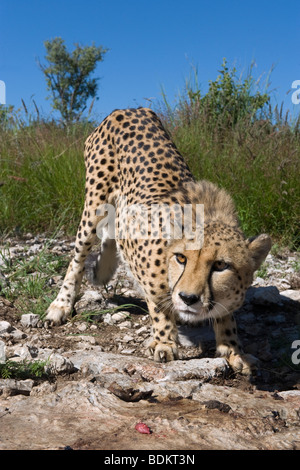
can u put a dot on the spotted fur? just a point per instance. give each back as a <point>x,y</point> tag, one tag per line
<point>130,159</point>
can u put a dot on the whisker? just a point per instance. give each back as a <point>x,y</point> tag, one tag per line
<point>214,318</point>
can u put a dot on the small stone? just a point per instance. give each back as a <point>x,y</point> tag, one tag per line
<point>291,294</point>
<point>86,339</point>
<point>59,364</point>
<point>119,316</point>
<point>82,327</point>
<point>92,296</point>
<point>5,327</point>
<point>107,319</point>
<point>16,387</point>
<point>30,320</point>
<point>17,334</point>
<point>127,339</point>
<point>34,249</point>
<point>125,324</point>
<point>127,351</point>
<point>141,330</point>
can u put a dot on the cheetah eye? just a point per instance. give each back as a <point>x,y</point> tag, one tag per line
<point>181,259</point>
<point>220,266</point>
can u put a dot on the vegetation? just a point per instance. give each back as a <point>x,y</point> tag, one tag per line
<point>22,370</point>
<point>231,135</point>
<point>42,177</point>
<point>27,279</point>
<point>68,76</point>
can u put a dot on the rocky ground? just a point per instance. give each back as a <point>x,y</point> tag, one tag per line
<point>98,381</point>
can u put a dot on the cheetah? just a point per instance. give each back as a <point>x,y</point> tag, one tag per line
<point>130,157</point>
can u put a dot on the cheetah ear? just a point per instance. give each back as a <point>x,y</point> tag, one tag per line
<point>259,247</point>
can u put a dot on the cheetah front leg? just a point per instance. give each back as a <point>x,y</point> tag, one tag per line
<point>228,346</point>
<point>62,306</point>
<point>164,331</point>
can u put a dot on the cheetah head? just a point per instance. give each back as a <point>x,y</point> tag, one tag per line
<point>212,281</point>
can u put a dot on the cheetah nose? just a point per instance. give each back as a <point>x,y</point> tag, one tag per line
<point>189,299</point>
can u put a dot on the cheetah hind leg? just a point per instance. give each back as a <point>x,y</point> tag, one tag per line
<point>106,263</point>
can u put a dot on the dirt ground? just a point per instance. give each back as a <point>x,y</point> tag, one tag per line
<point>98,411</point>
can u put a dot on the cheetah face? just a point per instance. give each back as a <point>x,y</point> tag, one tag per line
<point>212,282</point>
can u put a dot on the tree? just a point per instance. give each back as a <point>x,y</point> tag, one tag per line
<point>68,76</point>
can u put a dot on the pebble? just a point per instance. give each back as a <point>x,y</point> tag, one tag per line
<point>107,319</point>
<point>125,324</point>
<point>5,327</point>
<point>30,320</point>
<point>127,339</point>
<point>291,294</point>
<point>14,387</point>
<point>82,326</point>
<point>119,316</point>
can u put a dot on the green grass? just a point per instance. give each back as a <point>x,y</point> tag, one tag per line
<point>41,178</point>
<point>255,157</point>
<point>259,169</point>
<point>27,280</point>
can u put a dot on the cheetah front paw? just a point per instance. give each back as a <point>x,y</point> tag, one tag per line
<point>245,364</point>
<point>242,363</point>
<point>57,313</point>
<point>163,352</point>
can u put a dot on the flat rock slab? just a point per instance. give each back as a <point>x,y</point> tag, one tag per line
<point>85,415</point>
<point>175,400</point>
<point>95,361</point>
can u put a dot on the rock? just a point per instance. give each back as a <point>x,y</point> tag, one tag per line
<point>107,319</point>
<point>17,334</point>
<point>30,320</point>
<point>125,324</point>
<point>128,351</point>
<point>263,295</point>
<point>91,301</point>
<point>95,360</point>
<point>58,364</point>
<point>119,316</point>
<point>142,330</point>
<point>102,385</point>
<point>34,249</point>
<point>127,339</point>
<point>291,295</point>
<point>4,282</point>
<point>15,387</point>
<point>26,352</point>
<point>5,327</point>
<point>82,326</point>
<point>87,415</point>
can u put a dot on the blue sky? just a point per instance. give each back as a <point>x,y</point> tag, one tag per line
<point>152,44</point>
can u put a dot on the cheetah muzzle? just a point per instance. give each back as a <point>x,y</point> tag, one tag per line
<point>131,162</point>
